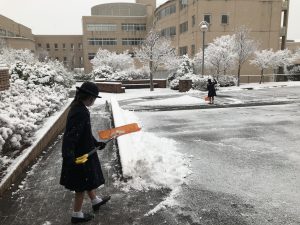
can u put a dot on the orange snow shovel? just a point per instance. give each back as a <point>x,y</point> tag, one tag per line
<point>118,131</point>
<point>206,98</point>
<point>109,135</point>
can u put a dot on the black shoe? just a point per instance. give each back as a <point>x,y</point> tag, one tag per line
<point>86,217</point>
<point>104,200</point>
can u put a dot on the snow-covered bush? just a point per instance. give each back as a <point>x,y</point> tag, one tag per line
<point>117,62</point>
<point>22,110</point>
<point>227,80</point>
<point>294,73</point>
<point>185,69</point>
<point>46,74</point>
<point>102,72</point>
<point>37,89</point>
<point>105,72</point>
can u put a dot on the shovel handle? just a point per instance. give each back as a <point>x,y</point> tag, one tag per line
<point>82,159</point>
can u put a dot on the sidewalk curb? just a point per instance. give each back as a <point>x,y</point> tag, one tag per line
<point>46,137</point>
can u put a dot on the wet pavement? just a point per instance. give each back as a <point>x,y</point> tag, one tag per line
<point>245,163</point>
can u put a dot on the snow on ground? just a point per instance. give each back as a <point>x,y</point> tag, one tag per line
<point>150,161</point>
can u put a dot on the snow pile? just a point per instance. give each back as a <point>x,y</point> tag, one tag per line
<point>150,161</point>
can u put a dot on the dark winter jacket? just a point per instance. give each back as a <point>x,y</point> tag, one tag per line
<point>211,88</point>
<point>77,141</point>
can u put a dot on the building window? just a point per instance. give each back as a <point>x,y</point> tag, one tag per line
<point>91,55</point>
<point>207,18</point>
<point>80,46</point>
<point>2,32</point>
<point>133,27</point>
<point>39,45</point>
<point>183,50</point>
<point>65,60</point>
<point>64,46</point>
<point>72,47</point>
<point>193,50</point>
<point>56,47</point>
<point>167,32</point>
<point>81,60</point>
<point>184,27</point>
<point>101,27</point>
<point>224,19</point>
<point>183,4</point>
<point>102,41</point>
<point>193,20</point>
<point>166,12</point>
<point>132,41</point>
<point>48,46</point>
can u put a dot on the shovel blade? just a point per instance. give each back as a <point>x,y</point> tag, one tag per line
<point>118,131</point>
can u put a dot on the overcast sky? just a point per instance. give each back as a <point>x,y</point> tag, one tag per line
<point>64,16</point>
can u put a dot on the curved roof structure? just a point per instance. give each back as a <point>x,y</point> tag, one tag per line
<point>119,9</point>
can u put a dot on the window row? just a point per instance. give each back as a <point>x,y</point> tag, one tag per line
<point>166,12</point>
<point>169,31</point>
<point>113,41</point>
<point>65,60</point>
<point>184,50</point>
<point>113,27</point>
<point>224,19</point>
<point>7,33</point>
<point>101,27</point>
<point>56,46</point>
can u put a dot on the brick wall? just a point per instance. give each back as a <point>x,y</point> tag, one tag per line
<point>4,79</point>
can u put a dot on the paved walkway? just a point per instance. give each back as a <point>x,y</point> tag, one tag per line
<point>38,199</point>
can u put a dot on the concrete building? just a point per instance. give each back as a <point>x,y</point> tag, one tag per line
<point>116,27</point>
<point>15,35</point>
<point>180,20</point>
<point>123,26</point>
<point>65,48</point>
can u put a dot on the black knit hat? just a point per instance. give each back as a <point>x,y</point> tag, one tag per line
<point>89,88</point>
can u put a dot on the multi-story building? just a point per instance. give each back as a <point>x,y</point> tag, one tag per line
<point>180,20</point>
<point>65,48</point>
<point>123,26</point>
<point>116,27</point>
<point>16,35</point>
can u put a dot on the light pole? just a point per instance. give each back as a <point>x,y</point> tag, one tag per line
<point>203,28</point>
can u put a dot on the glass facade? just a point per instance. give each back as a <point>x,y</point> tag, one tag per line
<point>133,27</point>
<point>101,27</point>
<point>132,41</point>
<point>102,41</point>
<point>166,12</point>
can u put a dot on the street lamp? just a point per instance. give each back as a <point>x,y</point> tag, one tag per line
<point>203,28</point>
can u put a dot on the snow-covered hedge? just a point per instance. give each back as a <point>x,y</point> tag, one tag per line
<point>105,72</point>
<point>22,110</point>
<point>37,89</point>
<point>40,73</point>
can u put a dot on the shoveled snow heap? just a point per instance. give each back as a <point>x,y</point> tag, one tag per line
<point>150,161</point>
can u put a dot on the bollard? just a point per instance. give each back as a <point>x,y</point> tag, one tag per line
<point>185,85</point>
<point>4,78</point>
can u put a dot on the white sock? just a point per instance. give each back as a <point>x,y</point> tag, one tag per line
<point>96,200</point>
<point>77,214</point>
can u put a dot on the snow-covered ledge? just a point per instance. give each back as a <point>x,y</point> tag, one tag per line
<point>52,127</point>
<point>127,155</point>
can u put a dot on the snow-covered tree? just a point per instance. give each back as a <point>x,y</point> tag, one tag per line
<point>10,56</point>
<point>263,60</point>
<point>219,55</point>
<point>185,69</point>
<point>243,47</point>
<point>155,51</point>
<point>282,58</point>
<point>117,62</point>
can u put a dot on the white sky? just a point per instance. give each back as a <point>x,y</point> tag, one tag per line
<point>64,16</point>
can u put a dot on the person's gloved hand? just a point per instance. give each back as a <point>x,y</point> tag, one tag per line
<point>100,145</point>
